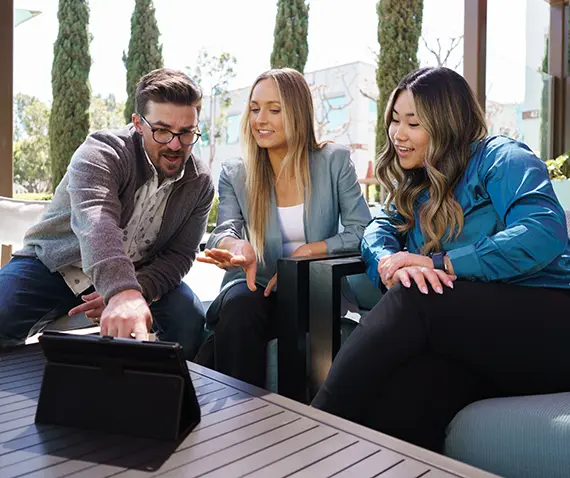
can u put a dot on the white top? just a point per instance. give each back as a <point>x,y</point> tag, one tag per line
<point>292,227</point>
<point>141,232</point>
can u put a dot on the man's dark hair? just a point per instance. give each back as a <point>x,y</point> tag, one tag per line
<point>167,86</point>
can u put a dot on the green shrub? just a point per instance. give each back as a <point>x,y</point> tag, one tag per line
<point>34,196</point>
<point>213,216</point>
<point>559,168</point>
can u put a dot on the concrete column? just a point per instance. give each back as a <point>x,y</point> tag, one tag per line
<point>558,70</point>
<point>475,46</point>
<point>6,95</point>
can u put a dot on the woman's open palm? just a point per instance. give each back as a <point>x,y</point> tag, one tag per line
<point>240,254</point>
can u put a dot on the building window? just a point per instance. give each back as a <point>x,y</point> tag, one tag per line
<point>232,131</point>
<point>373,108</point>
<point>205,130</point>
<point>336,113</point>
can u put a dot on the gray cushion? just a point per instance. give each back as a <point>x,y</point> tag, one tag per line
<point>366,293</point>
<point>16,216</point>
<point>515,436</point>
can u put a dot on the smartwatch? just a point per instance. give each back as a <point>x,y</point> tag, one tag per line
<point>438,260</point>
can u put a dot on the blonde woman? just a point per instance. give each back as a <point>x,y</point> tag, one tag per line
<point>284,199</point>
<point>474,251</point>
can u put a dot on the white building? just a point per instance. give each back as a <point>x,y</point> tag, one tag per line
<point>537,24</point>
<point>522,120</point>
<point>344,113</point>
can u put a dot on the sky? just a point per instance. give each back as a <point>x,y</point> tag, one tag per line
<point>340,32</point>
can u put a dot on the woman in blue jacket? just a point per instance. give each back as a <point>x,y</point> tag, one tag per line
<point>284,199</point>
<point>474,253</point>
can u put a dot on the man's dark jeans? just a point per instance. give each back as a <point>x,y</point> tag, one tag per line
<point>31,296</point>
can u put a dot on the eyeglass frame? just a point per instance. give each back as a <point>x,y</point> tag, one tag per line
<point>174,135</point>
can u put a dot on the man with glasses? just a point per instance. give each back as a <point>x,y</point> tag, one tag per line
<point>122,230</point>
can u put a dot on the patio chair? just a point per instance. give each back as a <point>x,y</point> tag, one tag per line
<point>291,356</point>
<point>521,437</point>
<point>292,362</point>
<point>16,216</point>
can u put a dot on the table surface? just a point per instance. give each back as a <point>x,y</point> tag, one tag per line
<point>244,431</point>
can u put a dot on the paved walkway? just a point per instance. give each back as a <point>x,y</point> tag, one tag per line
<point>204,280</point>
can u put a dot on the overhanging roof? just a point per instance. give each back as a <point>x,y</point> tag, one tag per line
<point>21,15</point>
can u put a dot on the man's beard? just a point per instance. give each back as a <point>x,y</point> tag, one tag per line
<point>163,170</point>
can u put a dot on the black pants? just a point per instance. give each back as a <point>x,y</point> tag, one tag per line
<point>246,322</point>
<point>415,360</point>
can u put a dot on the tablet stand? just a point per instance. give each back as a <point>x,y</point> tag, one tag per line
<point>114,399</point>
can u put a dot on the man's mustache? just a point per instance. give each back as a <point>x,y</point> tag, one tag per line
<point>172,153</point>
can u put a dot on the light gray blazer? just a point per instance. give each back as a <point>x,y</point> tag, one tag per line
<point>335,194</point>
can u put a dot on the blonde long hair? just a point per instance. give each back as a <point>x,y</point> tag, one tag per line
<point>298,120</point>
<point>451,115</point>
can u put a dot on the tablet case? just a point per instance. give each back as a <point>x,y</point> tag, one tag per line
<point>117,386</point>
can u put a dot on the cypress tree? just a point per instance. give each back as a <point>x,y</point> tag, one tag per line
<point>399,30</point>
<point>69,118</point>
<point>290,46</point>
<point>145,51</point>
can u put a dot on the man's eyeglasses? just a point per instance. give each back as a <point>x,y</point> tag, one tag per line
<point>165,136</point>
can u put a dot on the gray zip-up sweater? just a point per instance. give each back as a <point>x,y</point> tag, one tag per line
<point>95,201</point>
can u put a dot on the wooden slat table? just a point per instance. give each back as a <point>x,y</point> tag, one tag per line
<point>244,431</point>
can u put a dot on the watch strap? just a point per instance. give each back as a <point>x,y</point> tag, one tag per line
<point>438,260</point>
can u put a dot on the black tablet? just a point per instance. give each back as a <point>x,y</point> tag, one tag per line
<point>116,385</point>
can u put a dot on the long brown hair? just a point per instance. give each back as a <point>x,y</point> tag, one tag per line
<point>449,112</point>
<point>298,120</point>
